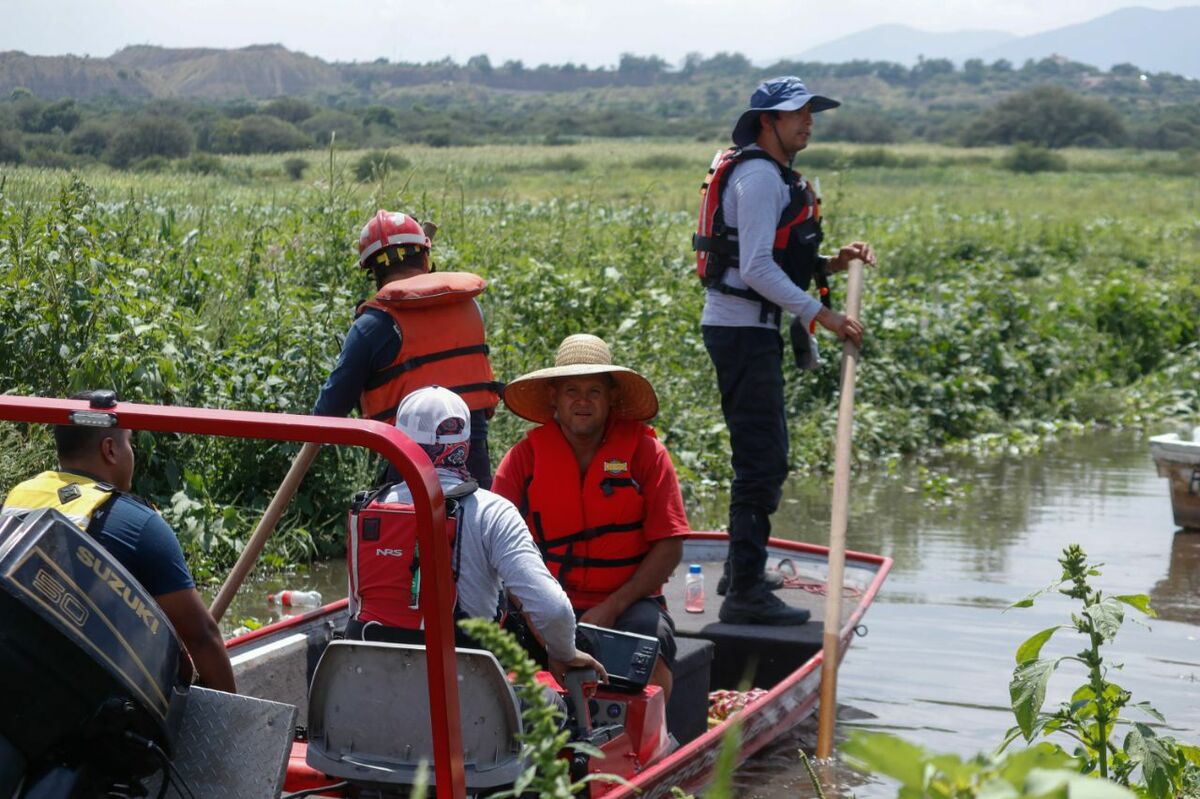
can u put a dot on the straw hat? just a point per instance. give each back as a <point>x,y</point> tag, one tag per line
<point>531,396</point>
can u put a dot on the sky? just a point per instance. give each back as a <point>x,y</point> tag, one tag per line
<point>592,32</point>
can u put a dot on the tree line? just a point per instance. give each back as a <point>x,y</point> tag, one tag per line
<point>1049,103</point>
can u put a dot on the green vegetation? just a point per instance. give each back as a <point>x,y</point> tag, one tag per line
<point>174,103</point>
<point>1005,304</point>
<point>1165,768</point>
<point>1145,764</point>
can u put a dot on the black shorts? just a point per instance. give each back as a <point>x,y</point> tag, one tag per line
<point>648,616</point>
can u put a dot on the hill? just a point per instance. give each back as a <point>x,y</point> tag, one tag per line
<point>905,45</point>
<point>1156,41</point>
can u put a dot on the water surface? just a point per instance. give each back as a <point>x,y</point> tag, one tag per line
<point>935,664</point>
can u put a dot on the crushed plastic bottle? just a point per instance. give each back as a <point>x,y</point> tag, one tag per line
<point>294,598</point>
<point>693,590</point>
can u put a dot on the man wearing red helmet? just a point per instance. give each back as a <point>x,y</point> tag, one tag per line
<point>421,328</point>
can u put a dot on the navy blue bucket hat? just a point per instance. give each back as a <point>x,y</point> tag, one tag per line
<point>777,94</point>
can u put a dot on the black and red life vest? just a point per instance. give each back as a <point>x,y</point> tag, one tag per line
<point>442,343</point>
<point>588,529</point>
<point>798,233</point>
<point>383,560</point>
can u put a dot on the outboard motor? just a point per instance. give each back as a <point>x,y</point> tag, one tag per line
<point>89,666</point>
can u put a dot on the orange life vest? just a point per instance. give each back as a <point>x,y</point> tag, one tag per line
<point>590,530</point>
<point>442,343</point>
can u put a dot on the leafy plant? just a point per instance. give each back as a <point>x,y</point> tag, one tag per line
<point>1039,771</point>
<point>1168,768</point>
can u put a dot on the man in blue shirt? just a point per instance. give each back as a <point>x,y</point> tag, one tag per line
<point>91,486</point>
<point>422,327</point>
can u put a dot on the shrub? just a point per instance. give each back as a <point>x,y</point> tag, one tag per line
<point>258,133</point>
<point>565,163</point>
<point>147,135</point>
<point>1028,158</point>
<point>377,164</point>
<point>1049,116</point>
<point>289,109</point>
<point>10,147</point>
<point>294,167</point>
<point>663,161</point>
<point>202,164</point>
<point>153,163</point>
<point>91,138</point>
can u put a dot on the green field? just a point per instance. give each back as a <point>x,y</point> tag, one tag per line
<point>1005,304</point>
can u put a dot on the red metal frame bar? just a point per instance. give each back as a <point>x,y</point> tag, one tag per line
<point>389,442</point>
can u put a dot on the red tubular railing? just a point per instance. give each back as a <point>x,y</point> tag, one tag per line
<point>389,442</point>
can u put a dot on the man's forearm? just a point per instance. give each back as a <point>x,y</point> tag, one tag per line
<point>653,571</point>
<point>212,664</point>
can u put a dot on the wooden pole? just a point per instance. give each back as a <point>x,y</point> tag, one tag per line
<point>837,529</point>
<point>245,562</point>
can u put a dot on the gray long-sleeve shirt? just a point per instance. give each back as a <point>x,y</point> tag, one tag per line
<point>753,202</point>
<point>498,551</point>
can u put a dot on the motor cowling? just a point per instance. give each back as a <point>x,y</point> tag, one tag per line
<point>89,664</point>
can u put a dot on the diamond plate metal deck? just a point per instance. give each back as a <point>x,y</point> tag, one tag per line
<point>232,746</point>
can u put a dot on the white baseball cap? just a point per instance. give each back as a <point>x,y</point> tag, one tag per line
<point>422,412</point>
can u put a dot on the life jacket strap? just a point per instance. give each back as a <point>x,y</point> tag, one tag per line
<point>385,376</point>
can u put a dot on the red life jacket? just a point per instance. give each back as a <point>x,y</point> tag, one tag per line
<point>798,232</point>
<point>442,343</point>
<point>590,530</point>
<point>383,560</point>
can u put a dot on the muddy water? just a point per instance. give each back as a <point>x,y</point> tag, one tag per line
<point>935,664</point>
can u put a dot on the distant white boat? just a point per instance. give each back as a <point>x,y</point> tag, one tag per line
<point>1178,460</point>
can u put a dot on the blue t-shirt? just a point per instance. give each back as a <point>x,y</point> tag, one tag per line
<point>371,346</point>
<point>143,543</point>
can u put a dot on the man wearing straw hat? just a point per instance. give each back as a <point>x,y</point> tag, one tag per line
<point>598,490</point>
<point>757,255</point>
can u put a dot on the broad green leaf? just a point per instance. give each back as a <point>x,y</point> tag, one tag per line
<point>1139,601</point>
<point>1149,710</point>
<point>1156,759</point>
<point>1191,754</point>
<point>1028,692</point>
<point>893,757</point>
<point>1043,782</point>
<point>1032,647</point>
<point>1106,616</point>
<point>997,788</point>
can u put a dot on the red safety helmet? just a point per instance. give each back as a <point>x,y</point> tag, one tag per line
<point>389,229</point>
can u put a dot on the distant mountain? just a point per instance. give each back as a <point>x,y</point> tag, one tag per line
<point>144,72</point>
<point>904,45</point>
<point>1157,41</point>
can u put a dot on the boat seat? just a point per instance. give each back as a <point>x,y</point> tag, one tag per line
<point>277,671</point>
<point>369,715</point>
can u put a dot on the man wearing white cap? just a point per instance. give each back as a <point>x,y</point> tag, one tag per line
<point>491,546</point>
<point>758,251</point>
<point>598,490</point>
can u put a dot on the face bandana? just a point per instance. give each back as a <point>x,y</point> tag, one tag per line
<point>451,457</point>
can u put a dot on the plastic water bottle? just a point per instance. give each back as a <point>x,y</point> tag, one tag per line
<point>294,598</point>
<point>693,590</point>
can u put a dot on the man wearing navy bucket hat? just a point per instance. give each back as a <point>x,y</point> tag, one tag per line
<point>757,246</point>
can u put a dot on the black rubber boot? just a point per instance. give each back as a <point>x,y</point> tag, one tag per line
<point>757,605</point>
<point>772,579</point>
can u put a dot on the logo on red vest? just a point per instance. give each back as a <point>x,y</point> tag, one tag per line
<point>615,467</point>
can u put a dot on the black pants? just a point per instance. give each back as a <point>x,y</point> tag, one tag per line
<point>749,365</point>
<point>479,458</point>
